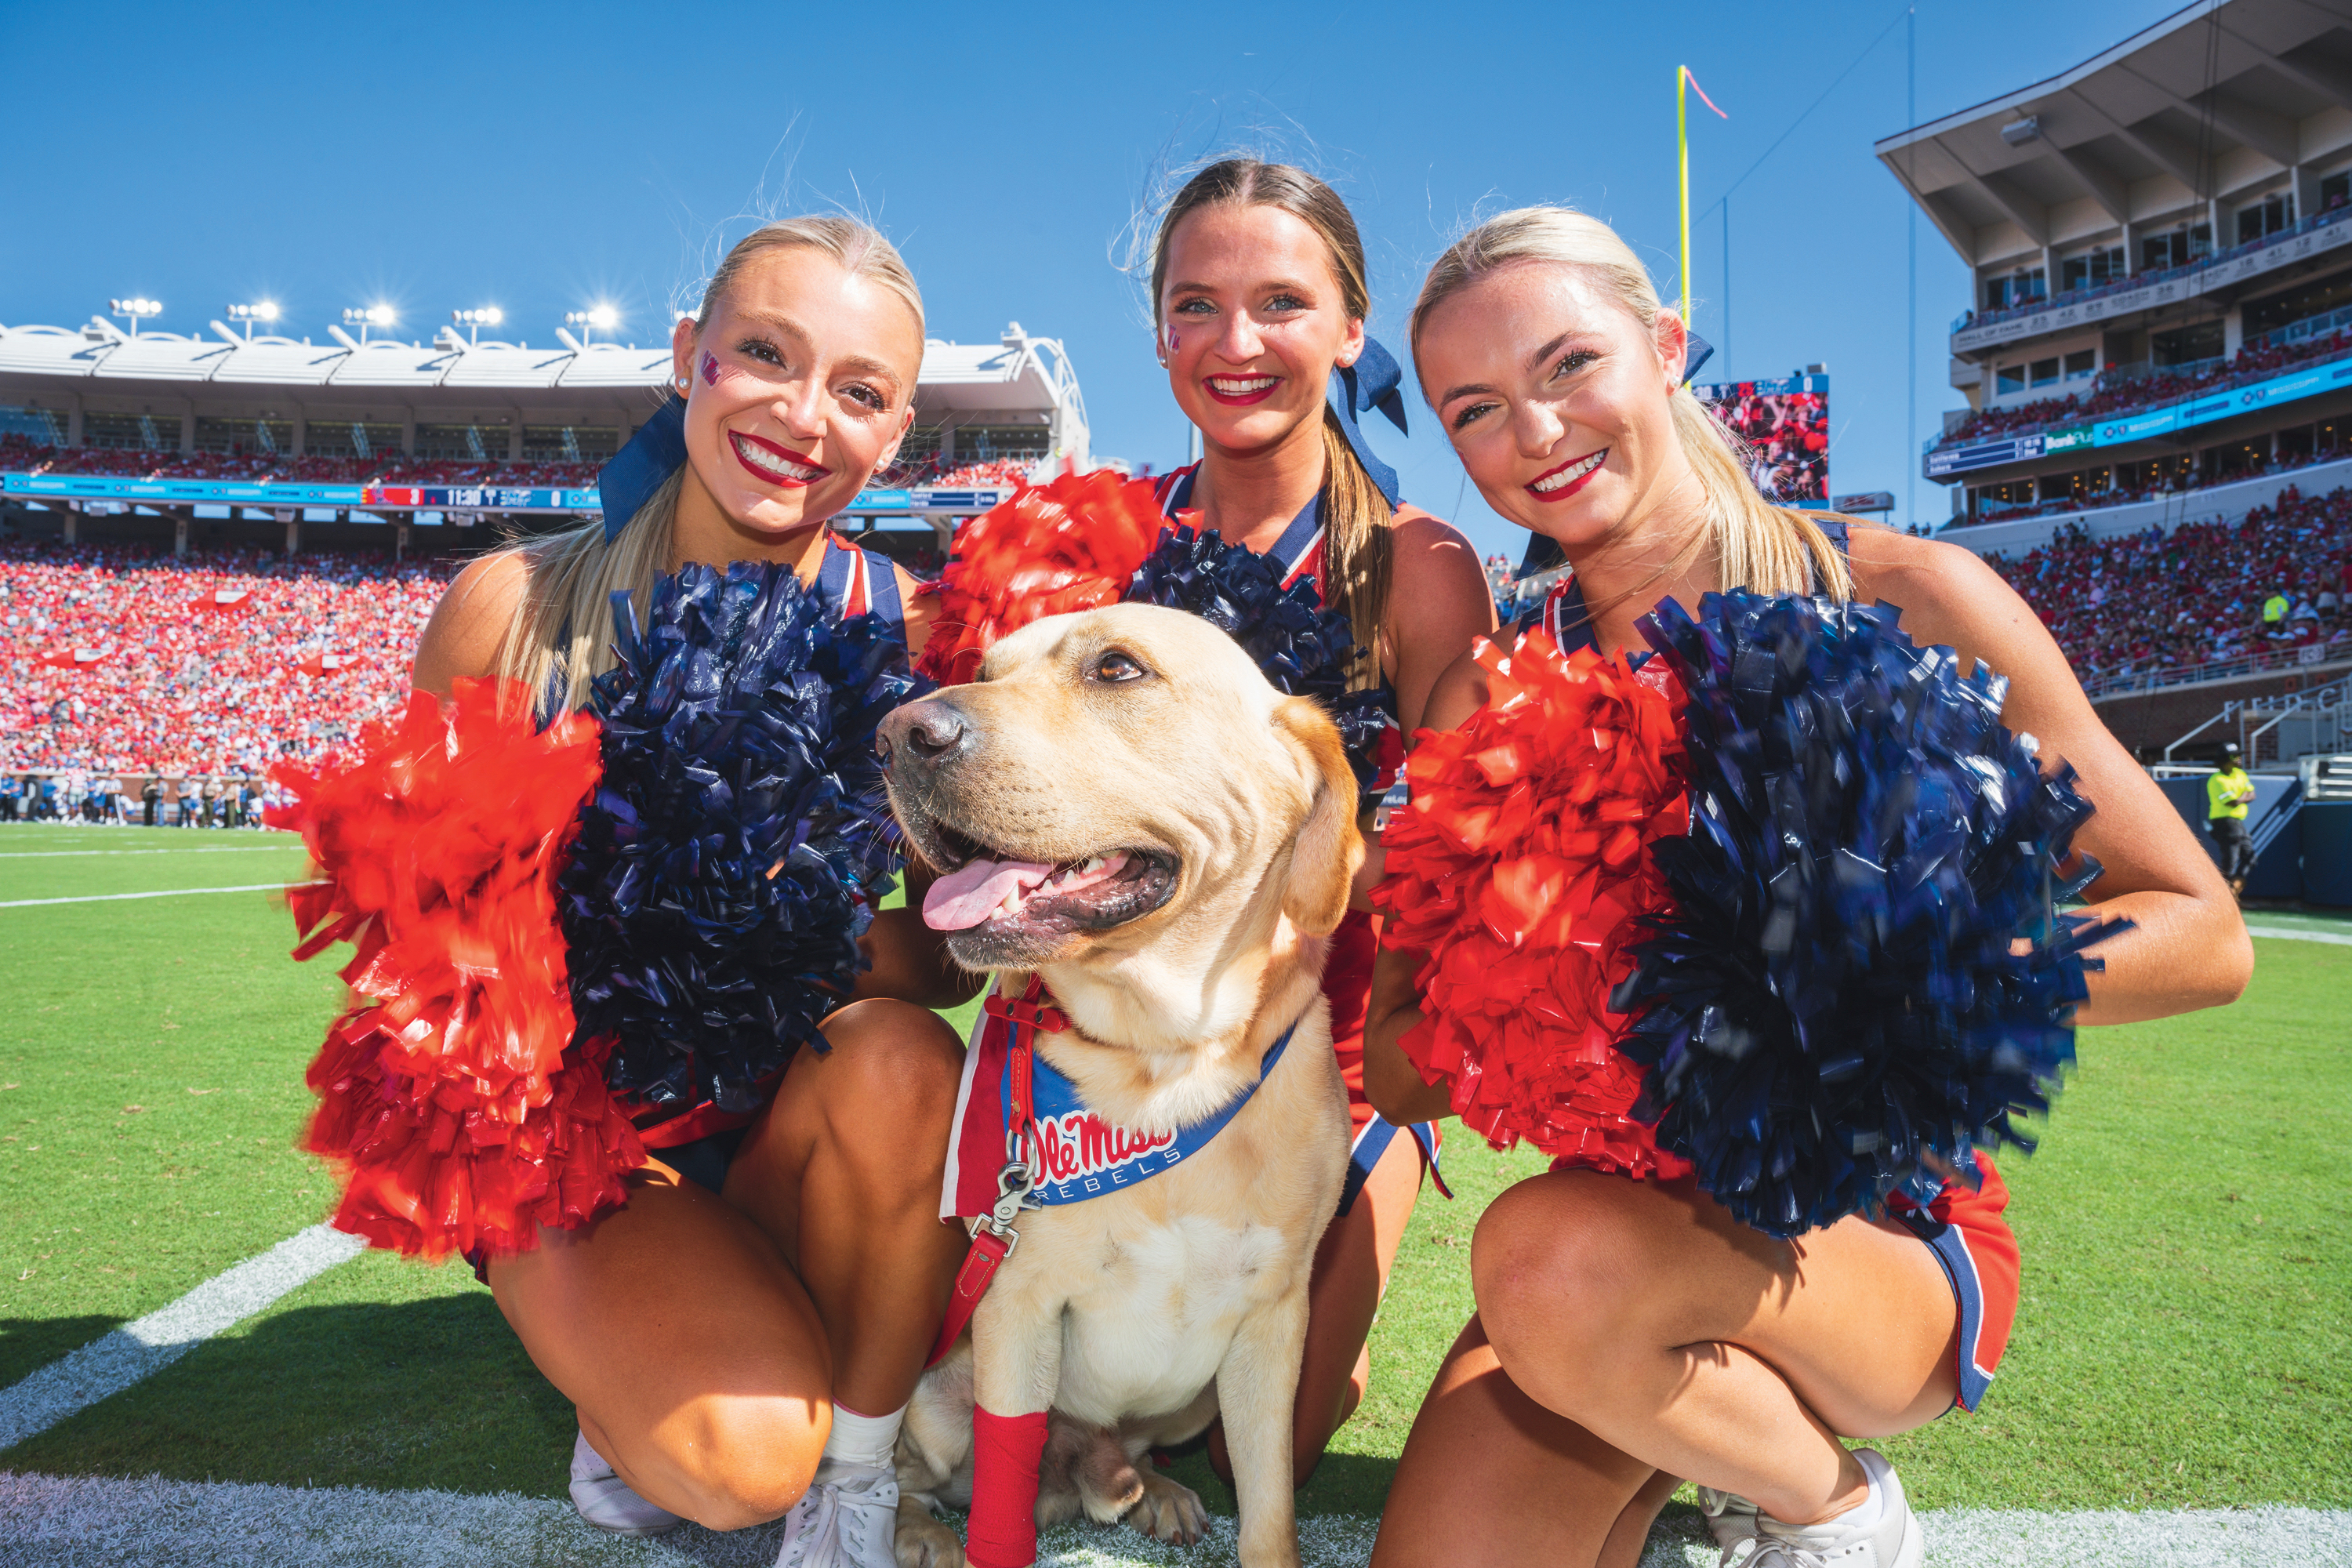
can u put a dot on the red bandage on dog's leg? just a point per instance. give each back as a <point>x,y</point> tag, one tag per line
<point>1005,1450</point>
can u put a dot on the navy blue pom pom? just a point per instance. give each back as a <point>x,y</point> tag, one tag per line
<point>1835,1011</point>
<point>726,867</point>
<point>1305,649</point>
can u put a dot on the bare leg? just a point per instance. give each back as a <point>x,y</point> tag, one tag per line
<point>845,1173</point>
<point>703,1339</point>
<point>1490,1476</point>
<point>698,1362</point>
<point>1672,1331</point>
<point>1351,1275</point>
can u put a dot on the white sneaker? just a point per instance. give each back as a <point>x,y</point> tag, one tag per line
<point>1890,1540</point>
<point>604,1500</point>
<point>847,1518</point>
<point>1731,1519</point>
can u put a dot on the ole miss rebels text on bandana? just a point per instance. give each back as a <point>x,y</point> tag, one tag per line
<point>1073,1153</point>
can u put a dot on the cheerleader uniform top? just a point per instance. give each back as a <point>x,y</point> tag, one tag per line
<point>1963,1225</point>
<point>1348,962</point>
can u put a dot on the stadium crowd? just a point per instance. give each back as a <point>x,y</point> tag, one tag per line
<point>2266,588</point>
<point>21,454</point>
<point>2239,465</point>
<point>121,660</point>
<point>2118,394</point>
<point>2338,209</point>
<point>929,474</point>
<point>1788,437</point>
<point>123,663</point>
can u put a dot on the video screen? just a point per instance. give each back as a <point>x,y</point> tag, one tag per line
<point>1786,426</point>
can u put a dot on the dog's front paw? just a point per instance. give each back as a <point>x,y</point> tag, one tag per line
<point>1169,1511</point>
<point>922,1541</point>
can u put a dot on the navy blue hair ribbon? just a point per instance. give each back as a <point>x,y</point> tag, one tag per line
<point>1544,552</point>
<point>1696,351</point>
<point>656,452</point>
<point>1374,381</point>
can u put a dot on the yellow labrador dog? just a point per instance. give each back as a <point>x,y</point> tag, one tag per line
<point>1122,807</point>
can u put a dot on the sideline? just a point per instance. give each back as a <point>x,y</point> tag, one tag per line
<point>2297,933</point>
<point>148,1344</point>
<point>79,1520</point>
<point>166,893</point>
<point>192,849</point>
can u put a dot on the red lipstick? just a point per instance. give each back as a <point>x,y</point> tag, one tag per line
<point>1598,460</point>
<point>767,466</point>
<point>1241,399</point>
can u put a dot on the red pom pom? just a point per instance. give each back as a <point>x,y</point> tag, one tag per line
<point>448,1093</point>
<point>1519,868</point>
<point>1072,544</point>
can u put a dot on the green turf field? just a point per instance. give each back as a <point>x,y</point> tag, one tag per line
<point>2185,1340</point>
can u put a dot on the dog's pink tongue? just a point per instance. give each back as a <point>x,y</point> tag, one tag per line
<point>970,894</point>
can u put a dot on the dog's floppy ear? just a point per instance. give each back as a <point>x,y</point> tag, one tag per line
<point>1328,849</point>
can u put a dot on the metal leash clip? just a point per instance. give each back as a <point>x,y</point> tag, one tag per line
<point>1012,1187</point>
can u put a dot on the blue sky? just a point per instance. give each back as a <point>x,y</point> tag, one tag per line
<point>543,158</point>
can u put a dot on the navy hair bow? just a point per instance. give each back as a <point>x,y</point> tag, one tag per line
<point>656,452</point>
<point>1372,382</point>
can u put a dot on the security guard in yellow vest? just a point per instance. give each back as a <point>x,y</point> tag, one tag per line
<point>2228,793</point>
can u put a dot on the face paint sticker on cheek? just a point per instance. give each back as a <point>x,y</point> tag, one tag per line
<point>709,369</point>
<point>1174,342</point>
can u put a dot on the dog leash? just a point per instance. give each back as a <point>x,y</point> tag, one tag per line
<point>1057,1151</point>
<point>994,1237</point>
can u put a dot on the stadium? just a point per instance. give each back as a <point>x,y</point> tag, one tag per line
<point>308,501</point>
<point>2158,366</point>
<point>217,551</point>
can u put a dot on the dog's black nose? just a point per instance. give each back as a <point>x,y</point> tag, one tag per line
<point>932,731</point>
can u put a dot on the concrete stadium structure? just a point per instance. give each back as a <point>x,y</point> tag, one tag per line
<point>156,396</point>
<point>2133,224</point>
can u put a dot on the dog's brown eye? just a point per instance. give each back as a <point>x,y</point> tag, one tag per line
<point>1115,667</point>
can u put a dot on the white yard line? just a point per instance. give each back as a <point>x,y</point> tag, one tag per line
<point>2298,933</point>
<point>63,1520</point>
<point>223,850</point>
<point>151,1343</point>
<point>166,893</point>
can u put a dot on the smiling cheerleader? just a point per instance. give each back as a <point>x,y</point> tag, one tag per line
<point>718,1243</point>
<point>1259,297</point>
<point>1754,933</point>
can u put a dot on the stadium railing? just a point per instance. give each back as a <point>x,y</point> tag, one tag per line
<point>20,454</point>
<point>2127,389</point>
<point>2040,302</point>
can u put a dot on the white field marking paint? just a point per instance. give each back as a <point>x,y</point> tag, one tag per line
<point>2297,933</point>
<point>152,1342</point>
<point>225,849</point>
<point>166,893</point>
<point>75,1520</point>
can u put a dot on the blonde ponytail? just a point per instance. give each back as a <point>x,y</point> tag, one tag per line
<point>1759,546</point>
<point>558,636</point>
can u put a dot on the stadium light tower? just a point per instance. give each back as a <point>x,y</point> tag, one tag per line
<point>475,321</point>
<point>596,319</point>
<point>366,316</point>
<point>135,310</point>
<point>264,311</point>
